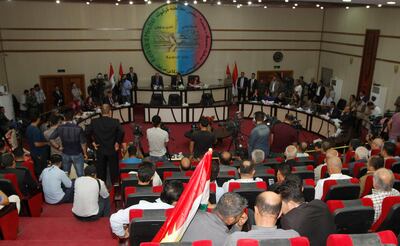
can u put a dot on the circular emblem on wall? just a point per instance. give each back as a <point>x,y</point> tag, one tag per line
<point>176,39</point>
<point>278,56</point>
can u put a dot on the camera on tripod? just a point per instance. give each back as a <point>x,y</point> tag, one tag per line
<point>137,130</point>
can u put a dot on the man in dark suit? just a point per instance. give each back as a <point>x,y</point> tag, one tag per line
<point>242,85</point>
<point>253,86</point>
<point>157,80</point>
<point>107,136</point>
<point>109,99</point>
<point>132,77</point>
<point>274,87</point>
<point>320,92</point>
<point>26,184</point>
<point>58,97</point>
<point>334,112</point>
<point>312,220</point>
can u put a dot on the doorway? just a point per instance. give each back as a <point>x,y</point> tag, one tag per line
<point>326,75</point>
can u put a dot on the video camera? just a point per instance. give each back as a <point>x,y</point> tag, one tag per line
<point>137,130</point>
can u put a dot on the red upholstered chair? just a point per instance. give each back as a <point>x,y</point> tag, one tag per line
<point>225,176</point>
<point>144,224</point>
<point>349,156</point>
<point>195,243</point>
<point>341,189</point>
<point>359,169</point>
<point>375,152</point>
<point>390,216</point>
<point>9,221</point>
<point>126,168</point>
<point>184,177</point>
<point>396,167</point>
<point>213,191</point>
<point>267,174</point>
<point>369,184</point>
<point>297,241</point>
<point>380,238</point>
<point>321,159</point>
<point>134,194</point>
<point>396,184</point>
<point>389,163</point>
<point>248,190</point>
<point>29,164</point>
<point>304,172</point>
<point>309,189</point>
<point>352,216</point>
<point>30,205</point>
<point>126,181</point>
<point>162,167</point>
<point>324,170</point>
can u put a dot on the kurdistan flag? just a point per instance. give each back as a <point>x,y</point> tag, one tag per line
<point>194,196</point>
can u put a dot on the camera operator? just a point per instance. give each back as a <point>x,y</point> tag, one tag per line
<point>283,134</point>
<point>202,140</point>
<point>158,140</point>
<point>259,136</point>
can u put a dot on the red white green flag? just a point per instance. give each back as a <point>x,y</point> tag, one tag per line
<point>194,196</point>
<point>235,75</point>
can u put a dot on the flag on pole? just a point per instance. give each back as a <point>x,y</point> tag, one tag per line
<point>121,71</point>
<point>235,76</point>
<point>228,71</point>
<point>111,76</point>
<point>194,196</point>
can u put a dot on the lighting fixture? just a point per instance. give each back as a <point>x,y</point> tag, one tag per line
<point>346,1</point>
<point>219,2</point>
<point>317,5</point>
<point>148,2</point>
<point>347,7</point>
<point>265,6</point>
<point>186,3</point>
<point>249,3</point>
<point>130,2</point>
<point>322,7</point>
<point>294,7</point>
<point>296,4</point>
<point>58,2</point>
<point>87,3</point>
<point>379,5</point>
<point>368,6</point>
<point>116,4</point>
<point>286,1</point>
<point>194,2</point>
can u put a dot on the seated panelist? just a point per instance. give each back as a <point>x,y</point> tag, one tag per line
<point>176,80</point>
<point>157,81</point>
<point>194,82</point>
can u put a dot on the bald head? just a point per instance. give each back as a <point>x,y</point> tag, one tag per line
<point>185,164</point>
<point>290,152</point>
<point>361,153</point>
<point>383,179</point>
<point>377,143</point>
<point>225,158</point>
<point>334,165</point>
<point>105,109</point>
<point>269,203</point>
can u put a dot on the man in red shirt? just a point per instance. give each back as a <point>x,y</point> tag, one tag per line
<point>282,135</point>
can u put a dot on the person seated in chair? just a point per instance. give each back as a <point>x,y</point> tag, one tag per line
<point>195,82</point>
<point>383,187</point>
<point>91,197</point>
<point>374,163</point>
<point>267,211</point>
<point>57,187</point>
<point>157,81</point>
<point>283,170</point>
<point>225,159</point>
<point>26,184</point>
<point>334,166</point>
<point>5,200</point>
<point>388,151</point>
<point>185,164</point>
<point>146,174</point>
<point>258,156</point>
<point>246,172</point>
<point>290,154</point>
<point>132,159</point>
<point>170,194</point>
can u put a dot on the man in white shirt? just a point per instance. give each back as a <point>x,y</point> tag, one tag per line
<point>334,165</point>
<point>298,89</point>
<point>40,97</point>
<point>158,140</point>
<point>246,172</point>
<point>22,104</point>
<point>325,150</point>
<point>119,221</point>
<point>57,187</point>
<point>91,198</point>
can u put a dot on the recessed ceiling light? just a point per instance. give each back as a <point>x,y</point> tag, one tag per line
<point>130,2</point>
<point>368,6</point>
<point>116,4</point>
<point>87,3</point>
<point>265,6</point>
<point>293,7</point>
<point>58,1</point>
<point>317,5</point>
<point>249,3</point>
<point>186,3</point>
<point>194,2</point>
<point>296,4</point>
<point>391,2</point>
<point>238,6</point>
<point>259,1</point>
<point>347,7</point>
<point>286,1</point>
<point>322,7</point>
<point>346,1</point>
<point>148,2</point>
<point>118,0</point>
<point>234,1</point>
<point>379,5</point>
<point>204,1</point>
<point>219,2</point>
<point>168,1</point>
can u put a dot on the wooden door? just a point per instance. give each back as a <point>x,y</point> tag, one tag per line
<point>48,84</point>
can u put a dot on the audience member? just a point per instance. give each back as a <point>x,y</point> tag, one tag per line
<point>224,160</point>
<point>283,134</point>
<point>132,77</point>
<point>132,158</point>
<point>106,135</point>
<point>242,84</point>
<point>246,172</point>
<point>301,150</point>
<point>394,124</point>
<point>388,151</point>
<point>57,187</point>
<point>374,163</point>
<point>290,155</point>
<point>214,226</point>
<point>55,121</point>
<point>158,140</point>
<point>376,146</point>
<point>40,97</point>
<point>383,187</point>
<point>360,155</point>
<point>259,136</point>
<point>350,153</point>
<point>329,154</point>
<point>267,211</point>
<point>146,174</point>
<point>201,140</point>
<point>91,197</point>
<point>126,88</point>
<point>312,220</point>
<point>334,166</point>
<point>282,171</point>
<point>170,194</point>
<point>185,164</point>
<point>258,156</point>
<point>38,145</point>
<point>26,184</point>
<point>73,146</point>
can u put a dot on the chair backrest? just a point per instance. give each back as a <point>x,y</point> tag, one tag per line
<point>267,174</point>
<point>144,224</point>
<point>349,156</point>
<point>380,238</point>
<point>174,100</point>
<point>28,164</point>
<point>157,99</point>
<point>396,184</point>
<point>248,190</point>
<point>389,163</point>
<point>195,243</point>
<point>213,192</point>
<point>184,177</point>
<point>341,189</point>
<point>134,194</point>
<point>225,176</point>
<point>396,167</point>
<point>126,168</point>
<point>308,189</point>
<point>13,181</point>
<point>304,172</point>
<point>390,215</point>
<point>375,152</point>
<point>341,104</point>
<point>357,168</point>
<point>207,99</point>
<point>128,180</point>
<point>369,183</point>
<point>352,216</point>
<point>297,241</point>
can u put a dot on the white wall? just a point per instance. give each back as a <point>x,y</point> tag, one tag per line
<point>24,68</point>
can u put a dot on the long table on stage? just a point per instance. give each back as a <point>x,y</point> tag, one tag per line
<point>123,113</point>
<point>221,93</point>
<point>187,114</point>
<point>310,122</point>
